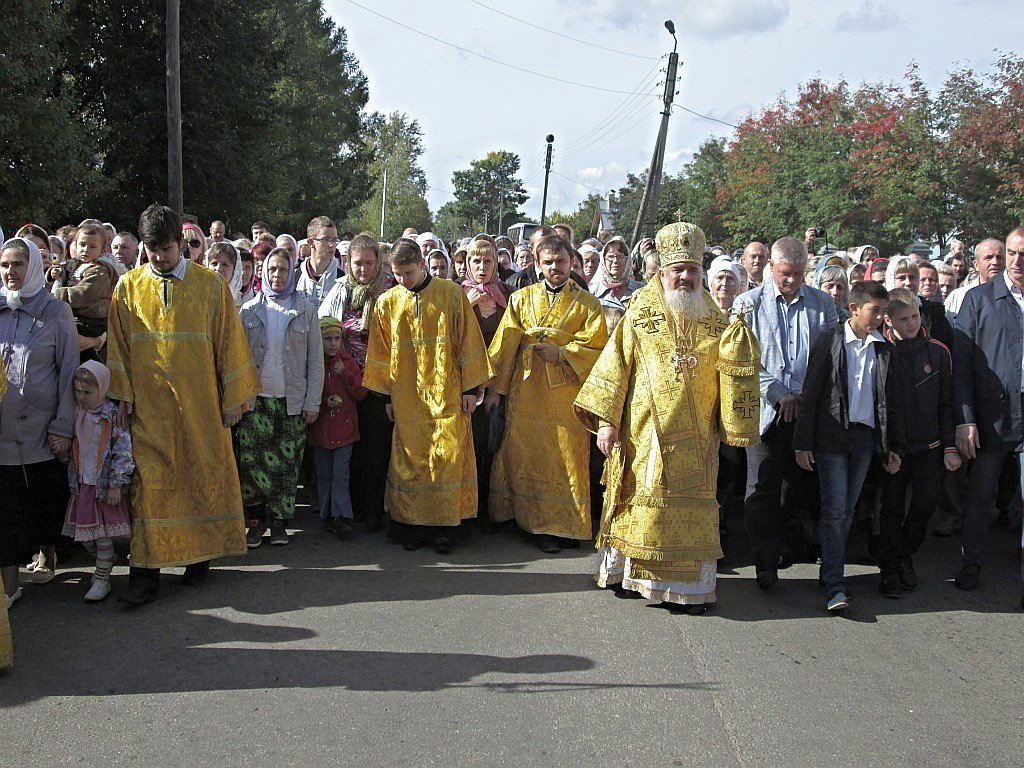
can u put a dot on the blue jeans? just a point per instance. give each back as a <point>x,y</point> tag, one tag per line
<point>332,481</point>
<point>841,476</point>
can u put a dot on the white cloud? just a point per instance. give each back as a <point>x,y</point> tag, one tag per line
<point>718,19</point>
<point>869,17</point>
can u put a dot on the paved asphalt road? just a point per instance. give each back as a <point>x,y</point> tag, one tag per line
<point>327,653</point>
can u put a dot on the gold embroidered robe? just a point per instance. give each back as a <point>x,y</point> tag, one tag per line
<point>541,472</point>
<point>660,508</point>
<point>177,352</point>
<point>425,350</point>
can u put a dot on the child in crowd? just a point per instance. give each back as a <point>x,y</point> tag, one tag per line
<point>99,472</point>
<point>87,284</point>
<point>848,411</point>
<point>923,374</point>
<point>336,429</point>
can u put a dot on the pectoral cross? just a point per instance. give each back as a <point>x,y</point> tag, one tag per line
<point>682,360</point>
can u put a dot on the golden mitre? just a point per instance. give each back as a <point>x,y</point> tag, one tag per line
<point>680,242</point>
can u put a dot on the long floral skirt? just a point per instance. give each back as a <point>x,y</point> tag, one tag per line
<point>270,446</point>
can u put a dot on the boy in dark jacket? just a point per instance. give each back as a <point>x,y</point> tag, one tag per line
<point>844,416</point>
<point>924,376</point>
<point>336,429</point>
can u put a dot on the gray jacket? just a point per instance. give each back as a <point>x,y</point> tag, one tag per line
<point>820,313</point>
<point>39,345</point>
<point>303,349</point>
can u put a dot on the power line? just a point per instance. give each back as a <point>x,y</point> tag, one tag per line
<point>705,117</point>
<point>577,181</point>
<point>483,56</point>
<point>624,105</point>
<point>604,48</point>
<point>642,119</point>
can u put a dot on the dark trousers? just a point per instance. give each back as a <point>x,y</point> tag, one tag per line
<point>773,479</point>
<point>902,530</point>
<point>149,578</point>
<point>484,460</point>
<point>370,458</point>
<point>982,488</point>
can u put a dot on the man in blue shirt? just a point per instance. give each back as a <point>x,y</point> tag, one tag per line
<point>786,315</point>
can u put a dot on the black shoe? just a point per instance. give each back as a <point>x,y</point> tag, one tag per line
<point>278,532</point>
<point>410,541</point>
<point>342,527</point>
<point>625,594</point>
<point>889,585</point>
<point>565,543</point>
<point>442,545</point>
<point>137,594</point>
<point>374,523</point>
<point>696,610</point>
<point>548,544</point>
<point>767,579</point>
<point>908,576</point>
<point>968,577</point>
<point>195,574</point>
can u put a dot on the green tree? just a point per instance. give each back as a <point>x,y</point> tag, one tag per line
<point>44,151</point>
<point>489,190</point>
<point>397,142</point>
<point>694,192</point>
<point>582,219</point>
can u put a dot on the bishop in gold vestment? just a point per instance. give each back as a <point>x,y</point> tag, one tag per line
<point>541,472</point>
<point>178,354</point>
<point>425,352</point>
<point>674,380</point>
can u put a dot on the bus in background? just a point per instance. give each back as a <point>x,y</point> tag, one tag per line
<point>520,233</point>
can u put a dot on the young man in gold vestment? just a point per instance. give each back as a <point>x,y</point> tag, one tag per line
<point>426,355</point>
<point>674,381</point>
<point>549,338</point>
<point>181,367</point>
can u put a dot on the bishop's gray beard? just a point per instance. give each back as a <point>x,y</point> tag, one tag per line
<point>687,303</point>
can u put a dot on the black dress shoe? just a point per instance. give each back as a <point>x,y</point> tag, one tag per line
<point>908,576</point>
<point>442,545</point>
<point>968,577</point>
<point>889,585</point>
<point>767,579</point>
<point>195,574</point>
<point>137,595</point>
<point>548,544</point>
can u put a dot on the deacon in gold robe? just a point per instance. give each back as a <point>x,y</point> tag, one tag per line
<point>674,380</point>
<point>180,366</point>
<point>549,338</point>
<point>427,357</point>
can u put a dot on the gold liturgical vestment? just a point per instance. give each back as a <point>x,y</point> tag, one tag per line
<point>6,647</point>
<point>425,351</point>
<point>660,384</point>
<point>541,473</point>
<point>177,352</point>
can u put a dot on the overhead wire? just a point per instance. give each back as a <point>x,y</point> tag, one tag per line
<point>623,132</point>
<point>577,181</point>
<point>484,56</point>
<point>623,106</point>
<point>604,48</point>
<point>704,117</point>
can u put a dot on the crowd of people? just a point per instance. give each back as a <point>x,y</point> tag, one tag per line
<point>177,388</point>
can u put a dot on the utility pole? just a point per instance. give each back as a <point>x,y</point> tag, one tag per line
<point>652,189</point>
<point>175,184</point>
<point>550,139</point>
<point>384,200</point>
<point>501,210</point>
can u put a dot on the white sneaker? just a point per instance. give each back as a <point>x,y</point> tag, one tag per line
<point>98,591</point>
<point>11,599</point>
<point>838,602</point>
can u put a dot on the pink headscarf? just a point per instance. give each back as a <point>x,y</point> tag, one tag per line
<point>190,227</point>
<point>101,373</point>
<point>492,287</point>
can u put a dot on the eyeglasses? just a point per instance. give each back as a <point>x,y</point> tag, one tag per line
<point>325,240</point>
<point>193,243</point>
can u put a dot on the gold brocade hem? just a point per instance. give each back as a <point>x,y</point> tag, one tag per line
<point>656,554</point>
<point>189,560</point>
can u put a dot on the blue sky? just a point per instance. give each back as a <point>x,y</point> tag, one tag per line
<point>736,56</point>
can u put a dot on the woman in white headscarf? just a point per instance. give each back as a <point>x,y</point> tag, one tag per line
<point>39,349</point>
<point>723,282</point>
<point>223,259</point>
<point>613,275</point>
